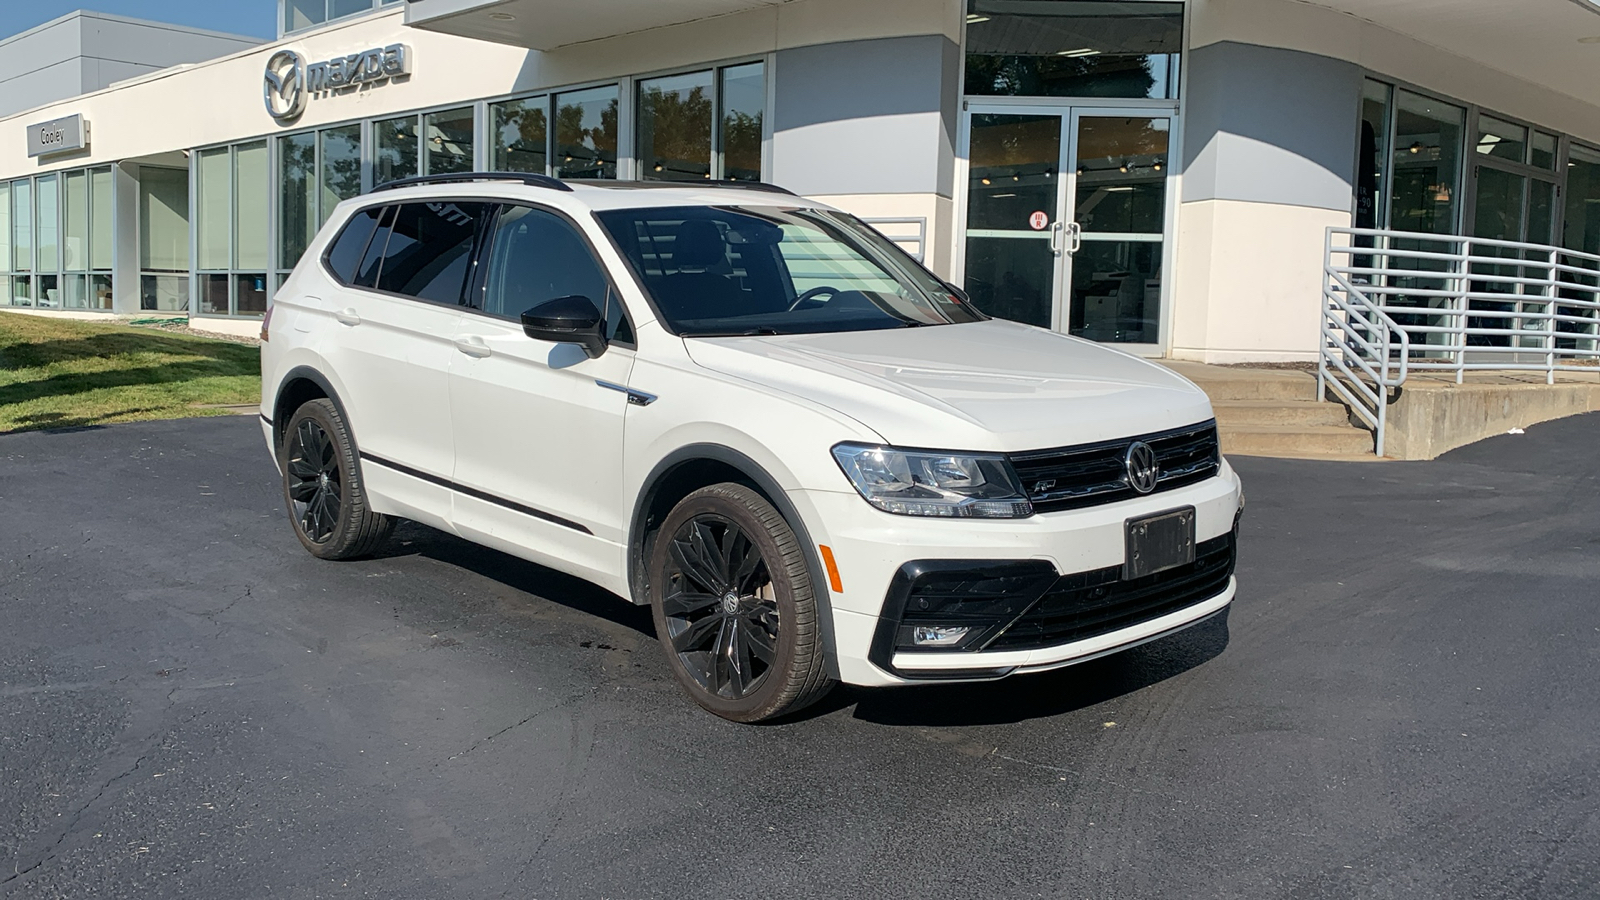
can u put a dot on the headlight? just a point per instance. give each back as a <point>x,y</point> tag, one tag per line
<point>927,483</point>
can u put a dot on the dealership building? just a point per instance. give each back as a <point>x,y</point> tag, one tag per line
<point>1158,175</point>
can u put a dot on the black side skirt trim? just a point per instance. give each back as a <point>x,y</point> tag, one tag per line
<point>476,494</point>
<point>264,418</point>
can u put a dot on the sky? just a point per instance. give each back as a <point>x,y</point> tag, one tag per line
<point>256,18</point>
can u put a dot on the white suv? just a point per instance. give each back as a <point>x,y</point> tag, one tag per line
<point>813,459</point>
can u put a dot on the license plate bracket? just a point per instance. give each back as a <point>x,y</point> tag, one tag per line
<point>1159,542</point>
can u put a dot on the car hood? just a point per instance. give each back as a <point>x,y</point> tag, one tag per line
<point>990,385</point>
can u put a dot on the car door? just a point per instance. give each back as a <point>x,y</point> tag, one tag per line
<point>397,315</point>
<point>539,426</point>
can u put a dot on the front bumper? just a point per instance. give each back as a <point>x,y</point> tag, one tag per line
<point>879,554</point>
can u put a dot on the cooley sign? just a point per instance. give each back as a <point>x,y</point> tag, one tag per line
<point>289,81</point>
<point>58,136</point>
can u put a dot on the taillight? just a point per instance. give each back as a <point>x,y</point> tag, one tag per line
<point>266,323</point>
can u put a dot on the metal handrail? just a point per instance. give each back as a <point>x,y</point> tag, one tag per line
<point>1358,360</point>
<point>1468,303</point>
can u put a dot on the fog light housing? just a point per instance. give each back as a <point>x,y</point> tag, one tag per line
<point>938,635</point>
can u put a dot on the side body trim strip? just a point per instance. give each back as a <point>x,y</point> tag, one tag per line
<point>476,494</point>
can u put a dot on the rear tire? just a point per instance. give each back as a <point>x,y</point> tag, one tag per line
<point>322,486</point>
<point>734,608</point>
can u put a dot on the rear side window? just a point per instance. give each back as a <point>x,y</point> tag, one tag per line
<point>344,255</point>
<point>428,251</point>
<point>538,256</point>
<point>372,261</point>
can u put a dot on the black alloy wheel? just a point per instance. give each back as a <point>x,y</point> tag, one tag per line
<point>722,617</point>
<point>315,498</point>
<point>731,590</point>
<point>322,486</point>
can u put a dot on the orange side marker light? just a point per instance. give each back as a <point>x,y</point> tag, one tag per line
<point>833,568</point>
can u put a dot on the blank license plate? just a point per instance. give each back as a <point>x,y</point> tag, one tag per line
<point>1159,543</point>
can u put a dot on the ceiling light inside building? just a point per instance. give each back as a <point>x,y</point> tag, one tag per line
<point>974,18</point>
<point>1085,51</point>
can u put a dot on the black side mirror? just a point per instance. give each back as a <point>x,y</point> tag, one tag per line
<point>567,320</point>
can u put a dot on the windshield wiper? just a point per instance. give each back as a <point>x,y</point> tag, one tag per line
<point>751,332</point>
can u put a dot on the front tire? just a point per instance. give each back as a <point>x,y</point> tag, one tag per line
<point>734,607</point>
<point>322,486</point>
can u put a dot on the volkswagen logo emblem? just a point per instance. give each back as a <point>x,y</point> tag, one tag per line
<point>1143,469</point>
<point>284,86</point>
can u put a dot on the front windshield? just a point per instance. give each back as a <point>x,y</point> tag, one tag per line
<point>719,271</point>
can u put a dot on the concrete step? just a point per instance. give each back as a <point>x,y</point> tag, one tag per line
<point>1241,413</point>
<point>1314,441</point>
<point>1222,383</point>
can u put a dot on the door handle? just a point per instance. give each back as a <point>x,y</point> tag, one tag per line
<point>1057,231</point>
<point>473,346</point>
<point>347,316</point>
<point>1075,233</point>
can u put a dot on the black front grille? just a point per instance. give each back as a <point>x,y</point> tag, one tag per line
<point>1085,604</point>
<point>1092,474</point>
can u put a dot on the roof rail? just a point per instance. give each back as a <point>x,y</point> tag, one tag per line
<point>528,178</point>
<point>748,185</point>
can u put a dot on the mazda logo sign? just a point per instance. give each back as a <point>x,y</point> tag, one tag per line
<point>1144,471</point>
<point>284,86</point>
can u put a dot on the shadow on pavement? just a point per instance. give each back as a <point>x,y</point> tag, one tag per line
<point>412,539</point>
<point>1014,699</point>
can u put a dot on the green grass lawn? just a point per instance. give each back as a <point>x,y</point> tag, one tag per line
<point>57,373</point>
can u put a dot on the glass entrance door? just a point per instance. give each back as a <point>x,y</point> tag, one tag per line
<point>1067,218</point>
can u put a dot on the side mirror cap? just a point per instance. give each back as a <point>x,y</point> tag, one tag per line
<point>567,320</point>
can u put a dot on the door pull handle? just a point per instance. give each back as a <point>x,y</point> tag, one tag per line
<point>1075,231</point>
<point>473,347</point>
<point>347,317</point>
<point>1058,229</point>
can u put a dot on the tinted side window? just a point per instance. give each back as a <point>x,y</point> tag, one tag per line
<point>538,256</point>
<point>346,250</point>
<point>430,246</point>
<point>372,260</point>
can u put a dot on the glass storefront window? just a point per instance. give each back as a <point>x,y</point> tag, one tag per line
<point>214,208</point>
<point>251,294</point>
<point>674,127</point>
<point>586,133</point>
<point>101,225</point>
<point>1373,161</point>
<point>22,225</point>
<point>341,168</point>
<point>75,218</point>
<point>1073,48</point>
<point>520,132</point>
<point>214,294</point>
<point>164,238</point>
<point>77,292</point>
<point>448,144</point>
<point>47,228</point>
<point>99,291</point>
<point>1581,228</point>
<point>1427,164</point>
<point>394,155</point>
<point>1544,150</point>
<point>250,206</point>
<point>1499,139</point>
<point>21,290</point>
<point>744,102</point>
<point>5,228</point>
<point>297,198</point>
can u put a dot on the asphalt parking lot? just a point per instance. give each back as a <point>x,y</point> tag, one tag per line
<point>1402,703</point>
